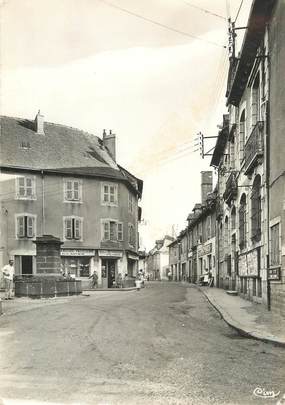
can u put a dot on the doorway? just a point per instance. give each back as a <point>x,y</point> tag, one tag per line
<point>109,271</point>
<point>27,265</point>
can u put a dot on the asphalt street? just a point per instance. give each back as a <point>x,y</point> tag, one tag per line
<point>164,344</point>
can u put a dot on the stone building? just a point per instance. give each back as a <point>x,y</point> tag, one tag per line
<point>249,159</point>
<point>65,182</point>
<point>157,259</point>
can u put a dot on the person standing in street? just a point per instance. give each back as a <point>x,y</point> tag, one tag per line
<point>8,273</point>
<point>94,282</point>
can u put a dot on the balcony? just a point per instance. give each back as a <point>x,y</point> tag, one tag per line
<point>231,188</point>
<point>254,148</point>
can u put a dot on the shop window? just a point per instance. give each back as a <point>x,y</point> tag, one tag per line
<point>275,245</point>
<point>25,226</point>
<point>242,222</point>
<point>256,209</point>
<point>259,287</point>
<point>72,190</point>
<point>109,194</point>
<point>26,188</point>
<point>254,282</point>
<point>73,228</point>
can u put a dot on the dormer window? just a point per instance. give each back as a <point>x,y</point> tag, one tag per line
<point>26,188</point>
<point>72,190</point>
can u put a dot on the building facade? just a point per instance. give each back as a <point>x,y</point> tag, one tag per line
<point>65,182</point>
<point>248,156</point>
<point>157,259</point>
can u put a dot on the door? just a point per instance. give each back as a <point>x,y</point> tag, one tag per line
<point>108,272</point>
<point>27,265</point>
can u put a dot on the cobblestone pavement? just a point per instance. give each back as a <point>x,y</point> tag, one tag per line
<point>164,344</point>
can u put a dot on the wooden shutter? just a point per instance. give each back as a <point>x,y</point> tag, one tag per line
<point>68,190</point>
<point>77,228</point>
<point>76,190</point>
<point>30,227</point>
<point>112,194</point>
<point>29,187</point>
<point>106,193</point>
<point>106,230</point>
<point>21,227</point>
<point>68,228</point>
<point>120,231</point>
<point>21,187</point>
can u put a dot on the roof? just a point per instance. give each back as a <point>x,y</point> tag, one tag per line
<point>220,144</point>
<point>61,149</point>
<point>240,67</point>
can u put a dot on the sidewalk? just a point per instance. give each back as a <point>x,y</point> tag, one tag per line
<point>248,318</point>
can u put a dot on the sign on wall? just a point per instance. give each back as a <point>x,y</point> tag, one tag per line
<point>274,274</point>
<point>205,250</point>
<point>248,264</point>
<point>77,252</point>
<point>110,253</point>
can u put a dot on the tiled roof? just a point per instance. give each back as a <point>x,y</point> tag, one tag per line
<point>61,149</point>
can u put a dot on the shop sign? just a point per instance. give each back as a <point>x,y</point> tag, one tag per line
<point>248,264</point>
<point>274,274</point>
<point>205,250</point>
<point>110,253</point>
<point>77,252</point>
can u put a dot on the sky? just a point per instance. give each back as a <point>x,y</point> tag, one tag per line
<point>153,71</point>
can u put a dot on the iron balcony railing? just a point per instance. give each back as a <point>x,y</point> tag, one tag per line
<point>254,147</point>
<point>231,188</point>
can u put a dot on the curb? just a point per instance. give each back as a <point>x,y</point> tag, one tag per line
<point>243,332</point>
<point>109,289</point>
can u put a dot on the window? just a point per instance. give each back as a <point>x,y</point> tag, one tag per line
<point>25,226</point>
<point>255,101</point>
<point>73,190</point>
<point>112,230</point>
<point>73,228</point>
<point>26,188</point>
<point>242,135</point>
<point>233,219</point>
<point>109,194</point>
<point>275,245</point>
<point>242,222</point>
<point>256,209</point>
<point>226,231</point>
<point>131,203</point>
<point>131,235</point>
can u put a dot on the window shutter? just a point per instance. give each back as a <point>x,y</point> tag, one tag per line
<point>120,231</point>
<point>241,139</point>
<point>21,186</point>
<point>30,227</point>
<point>68,190</point>
<point>20,227</point>
<point>77,226</point>
<point>106,194</point>
<point>254,106</point>
<point>106,230</point>
<point>29,187</point>
<point>112,194</point>
<point>76,190</point>
<point>68,228</point>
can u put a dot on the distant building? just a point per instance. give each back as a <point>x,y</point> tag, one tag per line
<point>158,259</point>
<point>65,182</point>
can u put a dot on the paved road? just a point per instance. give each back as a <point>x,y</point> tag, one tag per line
<point>162,345</point>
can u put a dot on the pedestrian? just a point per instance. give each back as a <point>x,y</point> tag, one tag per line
<point>169,275</point>
<point>8,273</point>
<point>94,282</point>
<point>119,280</point>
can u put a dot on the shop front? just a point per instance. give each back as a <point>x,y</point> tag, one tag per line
<point>132,265</point>
<point>110,267</point>
<point>76,263</point>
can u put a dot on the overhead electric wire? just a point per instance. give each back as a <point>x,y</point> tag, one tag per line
<point>204,10</point>
<point>177,31</point>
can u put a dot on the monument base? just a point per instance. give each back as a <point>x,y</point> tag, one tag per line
<point>39,286</point>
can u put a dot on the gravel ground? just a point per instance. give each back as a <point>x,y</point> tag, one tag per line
<point>162,345</point>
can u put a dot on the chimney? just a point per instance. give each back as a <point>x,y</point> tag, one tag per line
<point>206,185</point>
<point>39,123</point>
<point>109,141</point>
